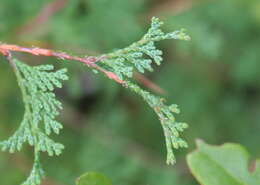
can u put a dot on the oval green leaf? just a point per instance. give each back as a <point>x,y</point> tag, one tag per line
<point>222,165</point>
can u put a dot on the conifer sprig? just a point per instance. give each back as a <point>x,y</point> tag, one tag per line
<point>41,106</point>
<point>140,56</point>
<point>41,109</point>
<point>170,126</point>
<point>142,53</point>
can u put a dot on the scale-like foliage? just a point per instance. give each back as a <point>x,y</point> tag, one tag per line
<point>42,107</point>
<point>140,55</point>
<point>165,112</point>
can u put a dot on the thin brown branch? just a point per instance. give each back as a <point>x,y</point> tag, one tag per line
<point>173,7</point>
<point>43,16</point>
<point>6,49</point>
<point>148,83</point>
<point>90,61</point>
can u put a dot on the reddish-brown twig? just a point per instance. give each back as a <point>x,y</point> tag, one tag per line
<point>43,16</point>
<point>5,50</point>
<point>90,61</point>
<point>148,83</point>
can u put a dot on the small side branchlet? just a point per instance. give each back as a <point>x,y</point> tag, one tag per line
<point>140,56</point>
<point>41,109</point>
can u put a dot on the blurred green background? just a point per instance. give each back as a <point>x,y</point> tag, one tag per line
<point>214,79</point>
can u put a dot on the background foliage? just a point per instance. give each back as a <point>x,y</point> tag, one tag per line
<point>214,79</point>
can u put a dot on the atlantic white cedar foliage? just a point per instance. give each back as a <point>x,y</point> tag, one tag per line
<point>41,106</point>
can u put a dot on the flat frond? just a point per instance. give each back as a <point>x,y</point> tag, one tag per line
<point>41,110</point>
<point>140,56</point>
<point>42,107</point>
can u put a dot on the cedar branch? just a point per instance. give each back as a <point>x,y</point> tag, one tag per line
<point>90,61</point>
